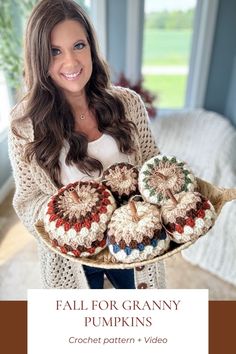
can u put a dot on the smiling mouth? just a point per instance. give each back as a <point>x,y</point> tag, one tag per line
<point>72,76</point>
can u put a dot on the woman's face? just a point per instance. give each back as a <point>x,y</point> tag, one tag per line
<point>71,64</point>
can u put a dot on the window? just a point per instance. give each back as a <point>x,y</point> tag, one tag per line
<point>86,4</point>
<point>168,30</point>
<point>5,105</point>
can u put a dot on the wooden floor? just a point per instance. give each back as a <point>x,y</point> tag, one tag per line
<point>19,266</point>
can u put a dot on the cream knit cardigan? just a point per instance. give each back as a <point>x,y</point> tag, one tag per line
<point>34,187</point>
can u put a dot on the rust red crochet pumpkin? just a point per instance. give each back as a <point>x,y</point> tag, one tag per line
<point>187,216</point>
<point>77,216</point>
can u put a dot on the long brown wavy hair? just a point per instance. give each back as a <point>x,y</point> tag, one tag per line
<point>51,114</point>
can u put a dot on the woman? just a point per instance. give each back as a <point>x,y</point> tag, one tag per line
<point>70,107</point>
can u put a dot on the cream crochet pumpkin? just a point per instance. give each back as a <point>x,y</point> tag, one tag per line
<point>135,233</point>
<point>122,180</point>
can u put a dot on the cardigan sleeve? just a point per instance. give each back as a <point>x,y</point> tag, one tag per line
<point>29,200</point>
<point>146,140</point>
<point>137,113</point>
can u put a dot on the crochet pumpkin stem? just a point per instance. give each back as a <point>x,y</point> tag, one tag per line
<point>161,175</point>
<point>133,211</point>
<point>74,196</point>
<point>171,196</point>
<point>123,177</point>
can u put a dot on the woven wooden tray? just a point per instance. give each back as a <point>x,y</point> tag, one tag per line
<point>217,196</point>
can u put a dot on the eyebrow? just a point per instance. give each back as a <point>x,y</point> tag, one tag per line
<point>57,46</point>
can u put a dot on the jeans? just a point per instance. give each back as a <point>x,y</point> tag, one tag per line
<point>119,278</point>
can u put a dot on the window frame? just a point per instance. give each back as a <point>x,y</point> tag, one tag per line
<point>99,19</point>
<point>134,39</point>
<point>5,113</point>
<point>201,51</point>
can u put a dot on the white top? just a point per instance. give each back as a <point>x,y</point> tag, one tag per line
<point>104,149</point>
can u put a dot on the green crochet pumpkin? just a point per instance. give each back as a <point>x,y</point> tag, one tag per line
<point>164,174</point>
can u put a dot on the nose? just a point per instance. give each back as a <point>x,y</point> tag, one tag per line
<point>70,58</point>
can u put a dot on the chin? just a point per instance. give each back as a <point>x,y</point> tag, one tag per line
<point>72,89</point>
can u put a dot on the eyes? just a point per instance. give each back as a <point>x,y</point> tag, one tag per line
<point>78,46</point>
<point>55,51</point>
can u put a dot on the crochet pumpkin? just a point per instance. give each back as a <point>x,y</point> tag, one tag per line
<point>122,180</point>
<point>135,233</point>
<point>77,216</point>
<point>164,174</point>
<point>187,216</point>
